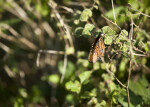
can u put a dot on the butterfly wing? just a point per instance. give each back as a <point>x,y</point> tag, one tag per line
<point>93,55</point>
<point>100,48</point>
<point>97,50</point>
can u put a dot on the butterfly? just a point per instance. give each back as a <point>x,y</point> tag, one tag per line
<point>97,51</point>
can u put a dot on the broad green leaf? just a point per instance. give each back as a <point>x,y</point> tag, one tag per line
<point>85,15</point>
<point>78,31</point>
<point>135,101</point>
<point>120,13</point>
<point>87,30</point>
<point>69,69</point>
<point>139,88</point>
<point>84,76</point>
<point>73,86</point>
<point>54,78</point>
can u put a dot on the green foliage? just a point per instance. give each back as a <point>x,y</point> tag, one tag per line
<point>88,28</point>
<point>87,13</point>
<point>139,89</point>
<point>54,78</point>
<point>84,76</point>
<point>73,86</point>
<point>120,13</point>
<point>69,69</point>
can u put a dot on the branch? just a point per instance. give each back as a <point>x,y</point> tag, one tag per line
<point>113,11</point>
<point>46,51</point>
<point>110,72</point>
<point>64,68</point>
<point>138,11</point>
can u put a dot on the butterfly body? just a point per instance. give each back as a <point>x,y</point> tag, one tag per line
<point>97,51</point>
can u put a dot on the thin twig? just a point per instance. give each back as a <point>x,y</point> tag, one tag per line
<point>52,4</point>
<point>138,50</point>
<point>111,22</point>
<point>110,72</point>
<point>138,11</point>
<point>113,11</point>
<point>46,51</point>
<point>131,56</point>
<point>138,54</point>
<point>64,68</point>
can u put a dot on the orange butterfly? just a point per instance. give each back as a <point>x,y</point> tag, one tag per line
<point>98,50</point>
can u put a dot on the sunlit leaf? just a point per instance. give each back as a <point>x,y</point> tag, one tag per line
<point>54,78</point>
<point>84,76</point>
<point>73,86</point>
<point>108,40</point>
<point>69,69</point>
<point>107,31</point>
<point>85,15</point>
<point>139,88</point>
<point>87,30</point>
<point>70,50</point>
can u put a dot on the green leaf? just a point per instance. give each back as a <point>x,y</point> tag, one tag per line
<point>108,40</point>
<point>80,54</point>
<point>85,15</point>
<point>73,86</point>
<point>23,92</point>
<point>103,103</point>
<point>124,32</point>
<point>69,69</point>
<point>87,30</point>
<point>92,102</point>
<point>83,62</point>
<point>54,78</point>
<point>108,35</point>
<point>84,76</point>
<point>139,88</point>
<point>89,94</point>
<point>122,67</point>
<point>120,13</point>
<point>70,50</point>
<point>123,35</point>
<point>107,31</point>
<point>69,98</point>
<point>78,31</point>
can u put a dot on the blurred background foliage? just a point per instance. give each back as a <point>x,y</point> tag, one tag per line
<point>59,75</point>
